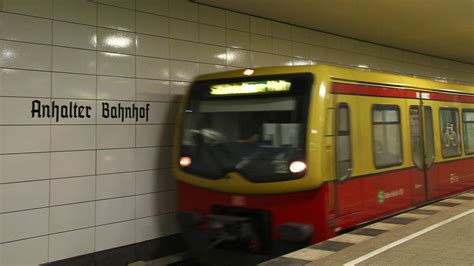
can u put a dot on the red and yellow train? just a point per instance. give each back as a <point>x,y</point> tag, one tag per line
<point>272,159</point>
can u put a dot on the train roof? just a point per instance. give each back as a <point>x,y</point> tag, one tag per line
<point>353,75</point>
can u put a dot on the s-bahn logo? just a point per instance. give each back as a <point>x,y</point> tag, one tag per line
<point>382,195</point>
<point>450,137</point>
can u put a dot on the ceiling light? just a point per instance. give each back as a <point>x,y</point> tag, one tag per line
<point>248,72</point>
<point>118,41</point>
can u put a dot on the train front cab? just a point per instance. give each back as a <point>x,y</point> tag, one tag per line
<point>374,147</point>
<point>285,211</point>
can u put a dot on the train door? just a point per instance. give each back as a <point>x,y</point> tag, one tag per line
<point>429,150</point>
<point>348,191</point>
<point>422,147</point>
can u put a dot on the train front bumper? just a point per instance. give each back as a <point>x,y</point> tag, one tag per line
<point>238,236</point>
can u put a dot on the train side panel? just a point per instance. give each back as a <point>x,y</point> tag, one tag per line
<point>373,192</point>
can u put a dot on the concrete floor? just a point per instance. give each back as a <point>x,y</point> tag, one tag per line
<point>452,243</point>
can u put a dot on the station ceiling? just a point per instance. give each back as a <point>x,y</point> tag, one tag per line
<point>434,27</point>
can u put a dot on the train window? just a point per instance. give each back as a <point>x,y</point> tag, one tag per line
<point>449,128</point>
<point>343,142</point>
<point>429,137</point>
<point>415,132</point>
<point>468,123</point>
<point>255,126</point>
<point>387,141</point>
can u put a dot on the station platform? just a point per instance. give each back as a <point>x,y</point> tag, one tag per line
<point>441,233</point>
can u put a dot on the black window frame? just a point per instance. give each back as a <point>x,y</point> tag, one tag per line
<point>441,132</point>
<point>464,110</point>
<point>387,107</point>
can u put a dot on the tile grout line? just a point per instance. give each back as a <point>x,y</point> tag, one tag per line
<point>135,127</point>
<point>96,128</point>
<point>50,139</point>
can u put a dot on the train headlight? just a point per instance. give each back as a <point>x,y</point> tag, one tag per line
<point>297,167</point>
<point>185,161</point>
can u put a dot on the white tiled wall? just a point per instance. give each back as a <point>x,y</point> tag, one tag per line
<point>82,185</point>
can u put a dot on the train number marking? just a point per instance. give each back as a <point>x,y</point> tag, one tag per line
<point>453,178</point>
<point>382,195</point>
<point>423,95</point>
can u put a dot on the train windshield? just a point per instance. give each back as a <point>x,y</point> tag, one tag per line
<point>253,126</point>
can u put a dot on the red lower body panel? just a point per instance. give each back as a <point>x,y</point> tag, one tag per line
<point>309,207</point>
<point>362,199</point>
<point>448,178</point>
<point>378,195</point>
<point>357,200</point>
